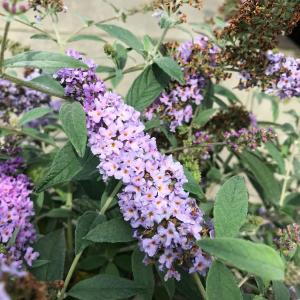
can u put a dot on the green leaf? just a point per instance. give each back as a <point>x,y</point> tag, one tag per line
<point>153,123</point>
<point>146,88</point>
<point>259,259</point>
<point>123,35</point>
<point>111,269</point>
<point>203,116</point>
<point>104,287</point>
<point>276,155</point>
<point>221,283</point>
<point>171,67</point>
<point>39,136</point>
<point>85,37</point>
<point>73,121</point>
<point>223,91</point>
<point>41,36</point>
<point>49,83</point>
<point>67,166</point>
<point>208,100</point>
<point>51,248</point>
<point>112,231</point>
<point>120,58</point>
<point>192,186</point>
<point>143,274</point>
<point>264,176</point>
<point>86,223</point>
<point>34,114</point>
<point>187,287</point>
<point>231,206</point>
<point>39,263</point>
<point>43,59</point>
<point>58,213</point>
<point>105,69</point>
<point>281,292</point>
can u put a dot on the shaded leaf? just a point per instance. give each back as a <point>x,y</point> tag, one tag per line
<point>34,114</point>
<point>51,248</point>
<point>86,223</point>
<point>104,287</point>
<point>221,283</point>
<point>143,274</point>
<point>192,186</point>
<point>264,176</point>
<point>281,292</point>
<point>67,166</point>
<point>113,231</point>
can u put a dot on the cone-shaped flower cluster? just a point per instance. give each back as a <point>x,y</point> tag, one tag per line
<point>16,211</point>
<point>281,76</point>
<point>177,103</point>
<point>165,220</point>
<point>286,73</point>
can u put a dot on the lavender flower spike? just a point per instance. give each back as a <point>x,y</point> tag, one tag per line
<point>16,210</point>
<point>166,221</point>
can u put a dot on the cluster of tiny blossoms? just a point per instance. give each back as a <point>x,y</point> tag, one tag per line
<point>287,83</point>
<point>15,99</point>
<point>16,211</point>
<point>177,103</point>
<point>250,138</point>
<point>165,220</point>
<point>281,76</point>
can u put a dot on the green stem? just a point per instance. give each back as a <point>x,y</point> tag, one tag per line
<point>200,286</point>
<point>19,132</point>
<point>156,49</point>
<point>194,146</point>
<point>57,35</point>
<point>69,204</point>
<point>77,257</point>
<point>287,174</point>
<point>126,71</point>
<point>30,25</point>
<point>3,44</point>
<point>111,198</point>
<point>69,276</point>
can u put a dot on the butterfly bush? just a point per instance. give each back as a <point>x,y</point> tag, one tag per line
<point>166,221</point>
<point>287,83</point>
<point>176,104</point>
<point>281,76</point>
<point>16,210</point>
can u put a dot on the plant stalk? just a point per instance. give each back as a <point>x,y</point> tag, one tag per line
<point>200,286</point>
<point>111,198</point>
<point>61,295</point>
<point>71,271</point>
<point>194,146</point>
<point>3,45</point>
<point>126,71</point>
<point>287,174</point>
